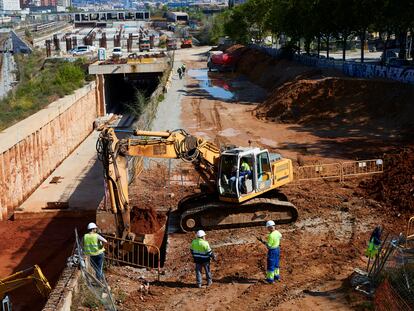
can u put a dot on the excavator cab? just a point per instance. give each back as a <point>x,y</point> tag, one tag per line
<point>243,173</point>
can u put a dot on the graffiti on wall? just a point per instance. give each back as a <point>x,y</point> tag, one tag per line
<point>350,68</point>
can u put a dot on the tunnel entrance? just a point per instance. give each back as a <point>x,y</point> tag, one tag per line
<point>121,90</point>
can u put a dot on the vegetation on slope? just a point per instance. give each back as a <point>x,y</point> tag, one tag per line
<point>40,84</point>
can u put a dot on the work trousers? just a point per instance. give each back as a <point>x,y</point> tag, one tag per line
<point>233,183</point>
<point>97,264</point>
<point>198,269</point>
<point>272,271</point>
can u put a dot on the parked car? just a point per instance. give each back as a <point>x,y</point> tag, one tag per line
<point>82,50</point>
<point>117,52</point>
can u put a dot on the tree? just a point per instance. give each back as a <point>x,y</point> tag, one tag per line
<point>237,26</point>
<point>324,21</point>
<point>366,12</point>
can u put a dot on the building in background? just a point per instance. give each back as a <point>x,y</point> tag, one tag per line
<point>9,6</point>
<point>48,2</point>
<point>177,17</point>
<point>64,3</point>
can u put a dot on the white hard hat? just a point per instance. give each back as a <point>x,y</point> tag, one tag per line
<point>92,225</point>
<point>270,223</point>
<point>200,233</point>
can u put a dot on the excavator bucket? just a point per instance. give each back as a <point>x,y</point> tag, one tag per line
<point>42,283</point>
<point>107,222</point>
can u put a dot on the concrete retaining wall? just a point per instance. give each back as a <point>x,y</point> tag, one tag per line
<point>67,287</point>
<point>31,149</point>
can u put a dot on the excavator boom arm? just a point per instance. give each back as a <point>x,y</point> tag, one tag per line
<point>177,144</point>
<point>21,278</point>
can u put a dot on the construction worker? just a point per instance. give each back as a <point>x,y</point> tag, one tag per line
<point>183,69</point>
<point>245,169</point>
<point>245,172</point>
<point>374,243</point>
<point>93,247</point>
<point>273,252</point>
<point>202,253</point>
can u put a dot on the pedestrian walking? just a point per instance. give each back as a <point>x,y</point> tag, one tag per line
<point>183,69</point>
<point>273,252</point>
<point>202,253</point>
<point>93,247</point>
<point>180,72</point>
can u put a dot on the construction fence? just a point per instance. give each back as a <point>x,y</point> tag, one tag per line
<point>99,288</point>
<point>174,172</point>
<point>395,289</point>
<point>339,171</point>
<point>132,253</point>
<point>349,68</point>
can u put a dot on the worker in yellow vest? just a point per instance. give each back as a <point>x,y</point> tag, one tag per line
<point>93,247</point>
<point>202,253</point>
<point>273,252</point>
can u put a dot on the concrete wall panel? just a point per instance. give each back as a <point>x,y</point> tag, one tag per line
<point>34,147</point>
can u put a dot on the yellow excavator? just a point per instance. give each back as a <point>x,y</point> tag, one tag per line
<point>229,197</point>
<point>31,275</point>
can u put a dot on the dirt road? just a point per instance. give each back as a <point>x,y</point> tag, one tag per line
<point>232,121</point>
<point>318,252</point>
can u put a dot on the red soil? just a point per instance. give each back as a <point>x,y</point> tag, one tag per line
<point>45,242</point>
<point>146,220</point>
<point>395,186</point>
<point>349,100</point>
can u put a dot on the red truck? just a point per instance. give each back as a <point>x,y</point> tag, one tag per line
<point>187,43</point>
<point>221,62</point>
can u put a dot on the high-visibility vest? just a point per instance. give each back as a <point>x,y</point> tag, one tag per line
<point>273,240</point>
<point>200,249</point>
<point>372,249</point>
<point>245,167</point>
<point>91,245</point>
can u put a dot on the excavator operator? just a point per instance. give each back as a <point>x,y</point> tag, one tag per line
<point>245,173</point>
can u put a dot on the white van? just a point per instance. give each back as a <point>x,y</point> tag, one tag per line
<point>82,50</point>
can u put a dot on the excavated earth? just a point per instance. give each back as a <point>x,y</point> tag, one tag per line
<point>46,242</point>
<point>321,250</point>
<point>396,186</point>
<point>318,253</point>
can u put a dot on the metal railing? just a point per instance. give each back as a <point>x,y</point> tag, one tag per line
<point>132,253</point>
<point>396,278</point>
<point>319,171</point>
<point>98,287</point>
<point>356,168</point>
<point>339,171</point>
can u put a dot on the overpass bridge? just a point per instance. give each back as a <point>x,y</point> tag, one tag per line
<point>101,18</point>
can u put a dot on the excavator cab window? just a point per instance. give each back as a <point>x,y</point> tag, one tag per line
<point>236,175</point>
<point>264,171</point>
<point>246,174</point>
<point>228,175</point>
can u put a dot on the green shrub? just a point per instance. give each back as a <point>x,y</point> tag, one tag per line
<point>39,86</point>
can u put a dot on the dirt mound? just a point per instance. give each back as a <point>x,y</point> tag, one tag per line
<point>269,72</point>
<point>349,99</point>
<point>236,49</point>
<point>395,186</point>
<point>346,99</point>
<point>145,221</point>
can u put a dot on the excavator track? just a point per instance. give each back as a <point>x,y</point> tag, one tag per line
<point>207,212</point>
